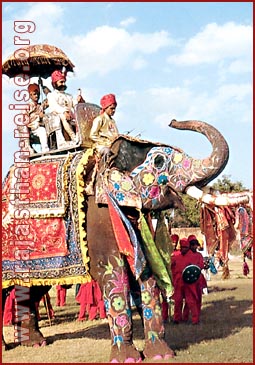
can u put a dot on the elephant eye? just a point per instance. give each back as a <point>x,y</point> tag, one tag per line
<point>159,161</point>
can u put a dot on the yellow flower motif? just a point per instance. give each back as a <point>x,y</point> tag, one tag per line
<point>177,158</point>
<point>126,185</point>
<point>118,303</point>
<point>115,176</point>
<point>157,309</point>
<point>196,163</point>
<point>148,179</point>
<point>146,297</point>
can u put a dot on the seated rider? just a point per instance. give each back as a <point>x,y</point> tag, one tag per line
<point>34,117</point>
<point>104,129</point>
<point>62,104</point>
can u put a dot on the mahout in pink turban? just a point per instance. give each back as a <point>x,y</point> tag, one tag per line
<point>108,100</point>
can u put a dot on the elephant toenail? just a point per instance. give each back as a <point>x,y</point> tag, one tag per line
<point>157,357</point>
<point>168,356</point>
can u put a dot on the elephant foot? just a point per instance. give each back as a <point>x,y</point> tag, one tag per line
<point>31,336</point>
<point>5,346</point>
<point>126,353</point>
<point>157,350</point>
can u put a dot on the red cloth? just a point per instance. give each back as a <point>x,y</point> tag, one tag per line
<point>57,76</point>
<point>164,310</point>
<point>107,100</point>
<point>184,242</point>
<point>90,298</point>
<point>61,296</point>
<point>191,293</point>
<point>33,87</point>
<point>175,238</point>
<point>121,235</point>
<point>9,309</point>
<point>192,237</point>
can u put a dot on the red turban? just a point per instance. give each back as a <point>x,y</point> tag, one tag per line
<point>107,100</point>
<point>184,242</point>
<point>192,237</point>
<point>175,238</point>
<point>33,87</point>
<point>57,75</point>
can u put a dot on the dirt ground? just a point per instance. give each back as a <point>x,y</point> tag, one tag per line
<point>225,334</point>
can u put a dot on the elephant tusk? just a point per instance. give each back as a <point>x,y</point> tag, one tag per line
<point>220,200</point>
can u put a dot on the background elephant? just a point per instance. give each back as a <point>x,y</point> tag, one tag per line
<point>97,213</point>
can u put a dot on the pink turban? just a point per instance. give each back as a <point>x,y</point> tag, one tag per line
<point>33,87</point>
<point>175,238</point>
<point>184,242</point>
<point>107,100</point>
<point>57,75</point>
<point>192,237</point>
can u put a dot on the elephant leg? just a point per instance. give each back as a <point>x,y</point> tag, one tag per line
<point>117,303</point>
<point>155,346</point>
<point>27,331</point>
<point>108,268</point>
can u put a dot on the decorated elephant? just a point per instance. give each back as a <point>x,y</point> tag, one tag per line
<point>71,217</point>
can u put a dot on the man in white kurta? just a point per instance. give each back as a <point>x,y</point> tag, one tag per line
<point>62,103</point>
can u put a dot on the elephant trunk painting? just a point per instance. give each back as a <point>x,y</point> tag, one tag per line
<point>88,218</point>
<point>206,169</point>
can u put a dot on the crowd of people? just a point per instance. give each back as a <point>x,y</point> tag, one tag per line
<point>188,280</point>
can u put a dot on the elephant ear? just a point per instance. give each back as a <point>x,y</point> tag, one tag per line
<point>128,152</point>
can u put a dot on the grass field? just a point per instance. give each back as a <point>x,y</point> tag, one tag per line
<point>225,334</point>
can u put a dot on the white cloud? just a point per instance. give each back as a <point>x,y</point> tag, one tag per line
<point>218,42</point>
<point>126,22</point>
<point>139,63</point>
<point>108,48</point>
<point>49,26</point>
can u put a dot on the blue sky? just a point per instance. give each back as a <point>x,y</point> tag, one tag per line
<point>162,60</point>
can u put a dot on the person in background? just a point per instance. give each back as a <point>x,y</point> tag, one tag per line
<point>175,241</point>
<point>183,291</point>
<point>201,284</point>
<point>104,128</point>
<point>61,295</point>
<point>91,302</point>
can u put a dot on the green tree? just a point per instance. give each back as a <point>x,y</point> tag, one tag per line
<point>190,217</point>
<point>225,185</point>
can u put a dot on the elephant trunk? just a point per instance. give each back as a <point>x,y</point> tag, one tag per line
<point>209,168</point>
